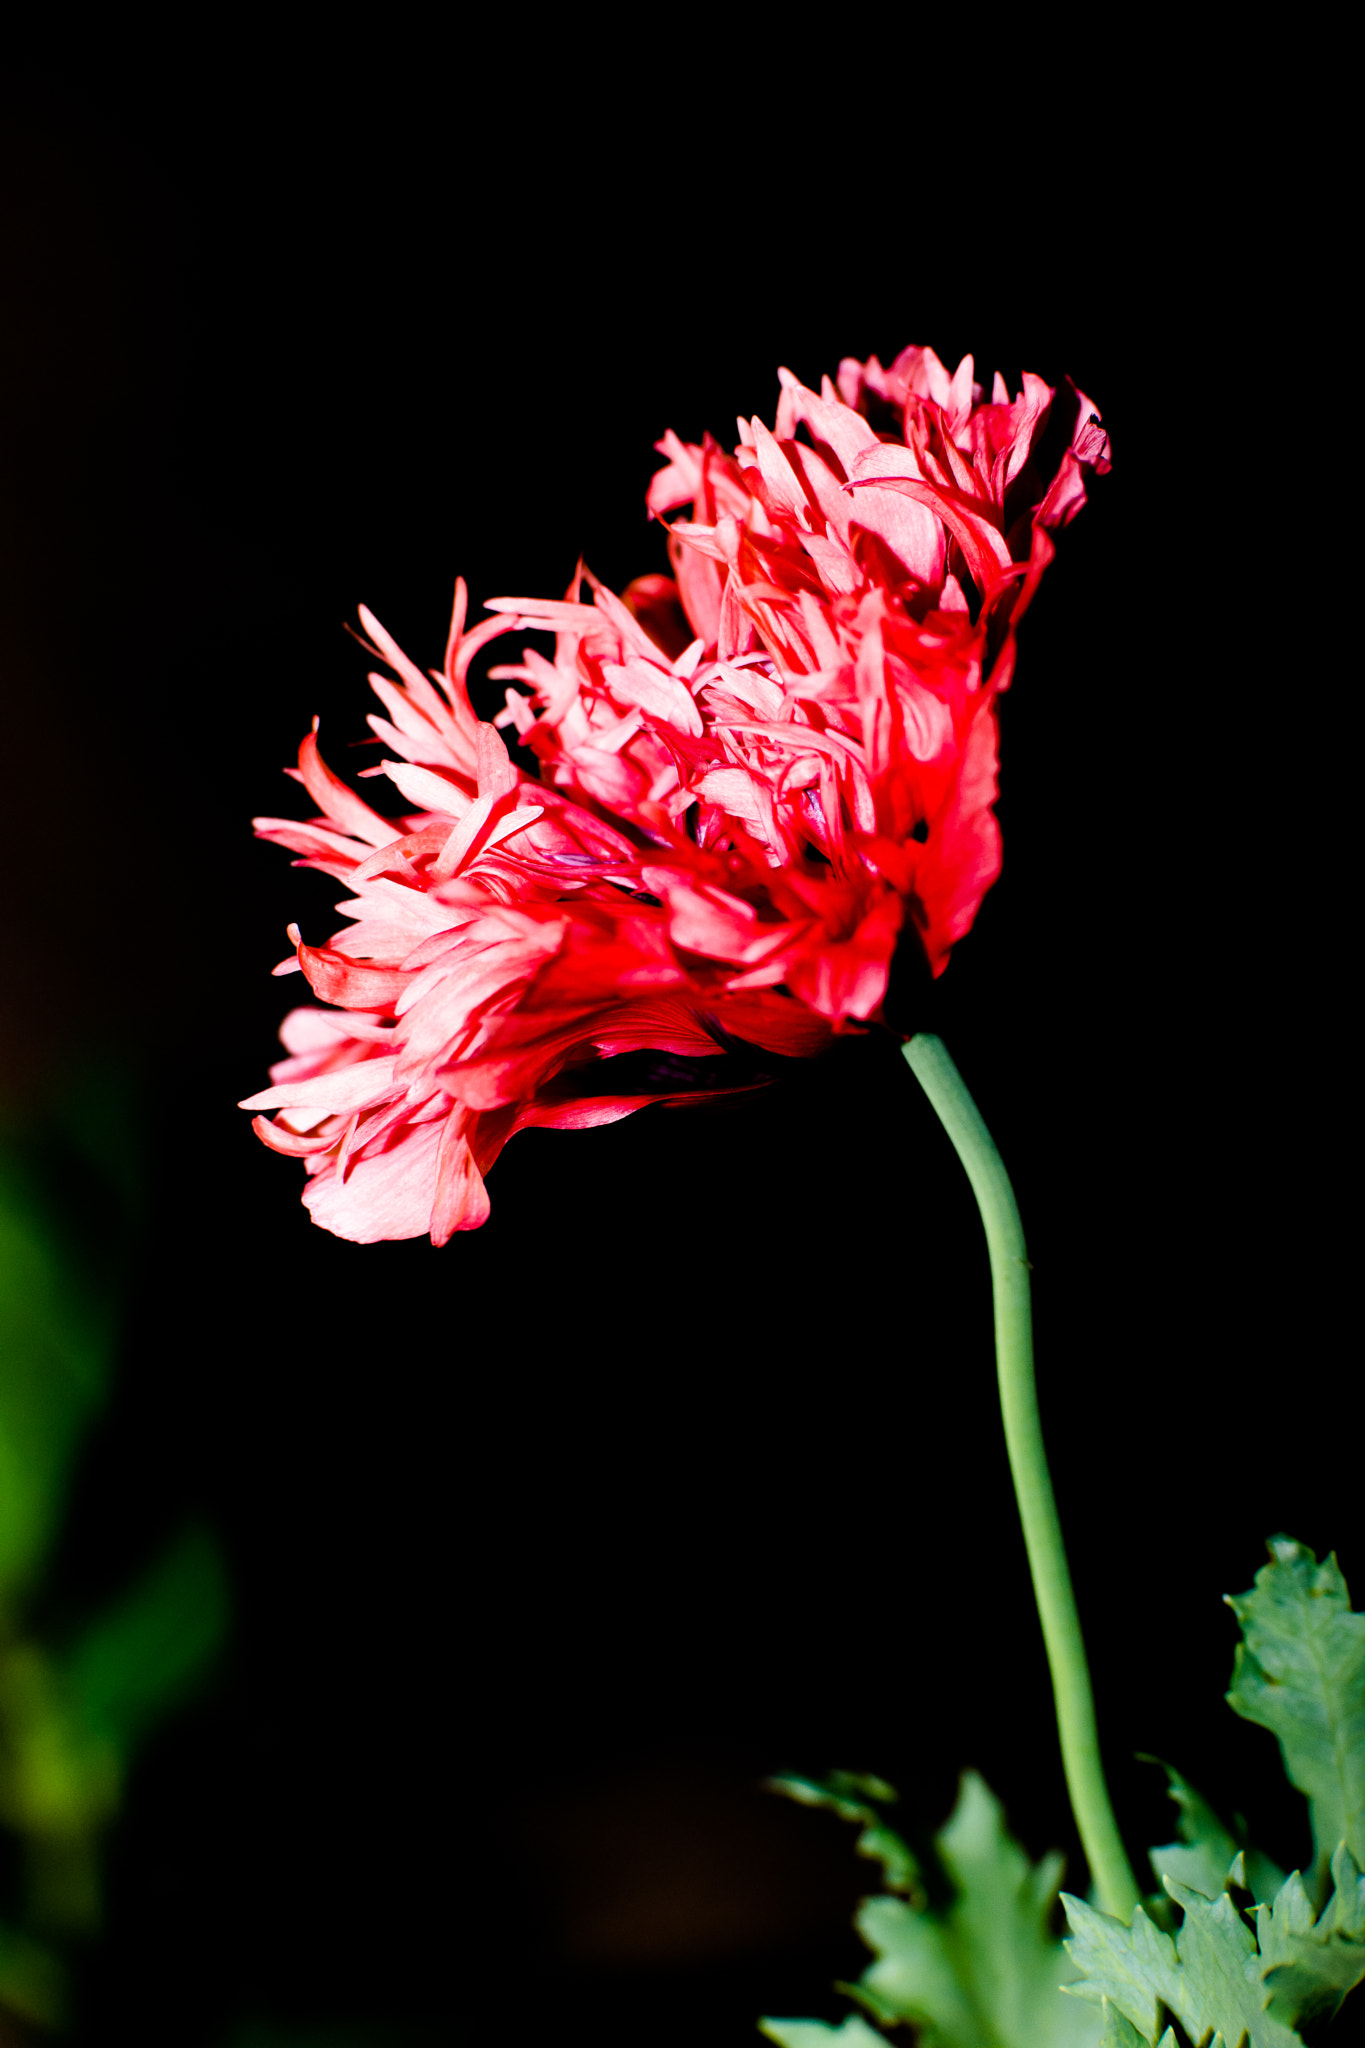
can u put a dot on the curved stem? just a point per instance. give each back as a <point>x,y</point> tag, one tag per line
<point>932,1067</point>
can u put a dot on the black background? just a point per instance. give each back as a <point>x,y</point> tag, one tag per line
<point>547,1546</point>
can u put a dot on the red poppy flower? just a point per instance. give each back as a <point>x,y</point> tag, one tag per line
<point>751,775</point>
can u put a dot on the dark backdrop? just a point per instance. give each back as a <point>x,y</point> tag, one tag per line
<point>547,1546</point>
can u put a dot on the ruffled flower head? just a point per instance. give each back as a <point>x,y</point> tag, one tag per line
<point>755,778</point>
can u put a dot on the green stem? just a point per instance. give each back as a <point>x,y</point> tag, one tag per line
<point>932,1067</point>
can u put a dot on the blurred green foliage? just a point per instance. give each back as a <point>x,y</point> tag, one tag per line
<point>74,1711</point>
<point>56,1344</point>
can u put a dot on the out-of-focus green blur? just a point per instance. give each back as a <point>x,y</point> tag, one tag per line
<point>73,1708</point>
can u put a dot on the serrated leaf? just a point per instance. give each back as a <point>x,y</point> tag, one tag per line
<point>918,1974</point>
<point>1314,1984</point>
<point>985,1972</point>
<point>1220,1963</point>
<point>1208,1850</point>
<point>1207,1975</point>
<point>854,2033</point>
<point>1119,2032</point>
<point>839,1793</point>
<point>847,1793</point>
<point>1300,1672</point>
<point>1289,1917</point>
<point>1311,1963</point>
<point>1135,1967</point>
<point>1215,1974</point>
<point>864,1786</point>
<point>1344,1912</point>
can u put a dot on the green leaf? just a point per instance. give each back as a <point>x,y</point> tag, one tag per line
<point>1310,1964</point>
<point>1207,1849</point>
<point>1300,1672</point>
<point>1214,1975</point>
<point>862,1785</point>
<point>849,1793</point>
<point>1313,1984</point>
<point>146,1651</point>
<point>1120,2032</point>
<point>1346,1906</point>
<point>1199,1975</point>
<point>1218,1977</point>
<point>985,1972</point>
<point>854,2033</point>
